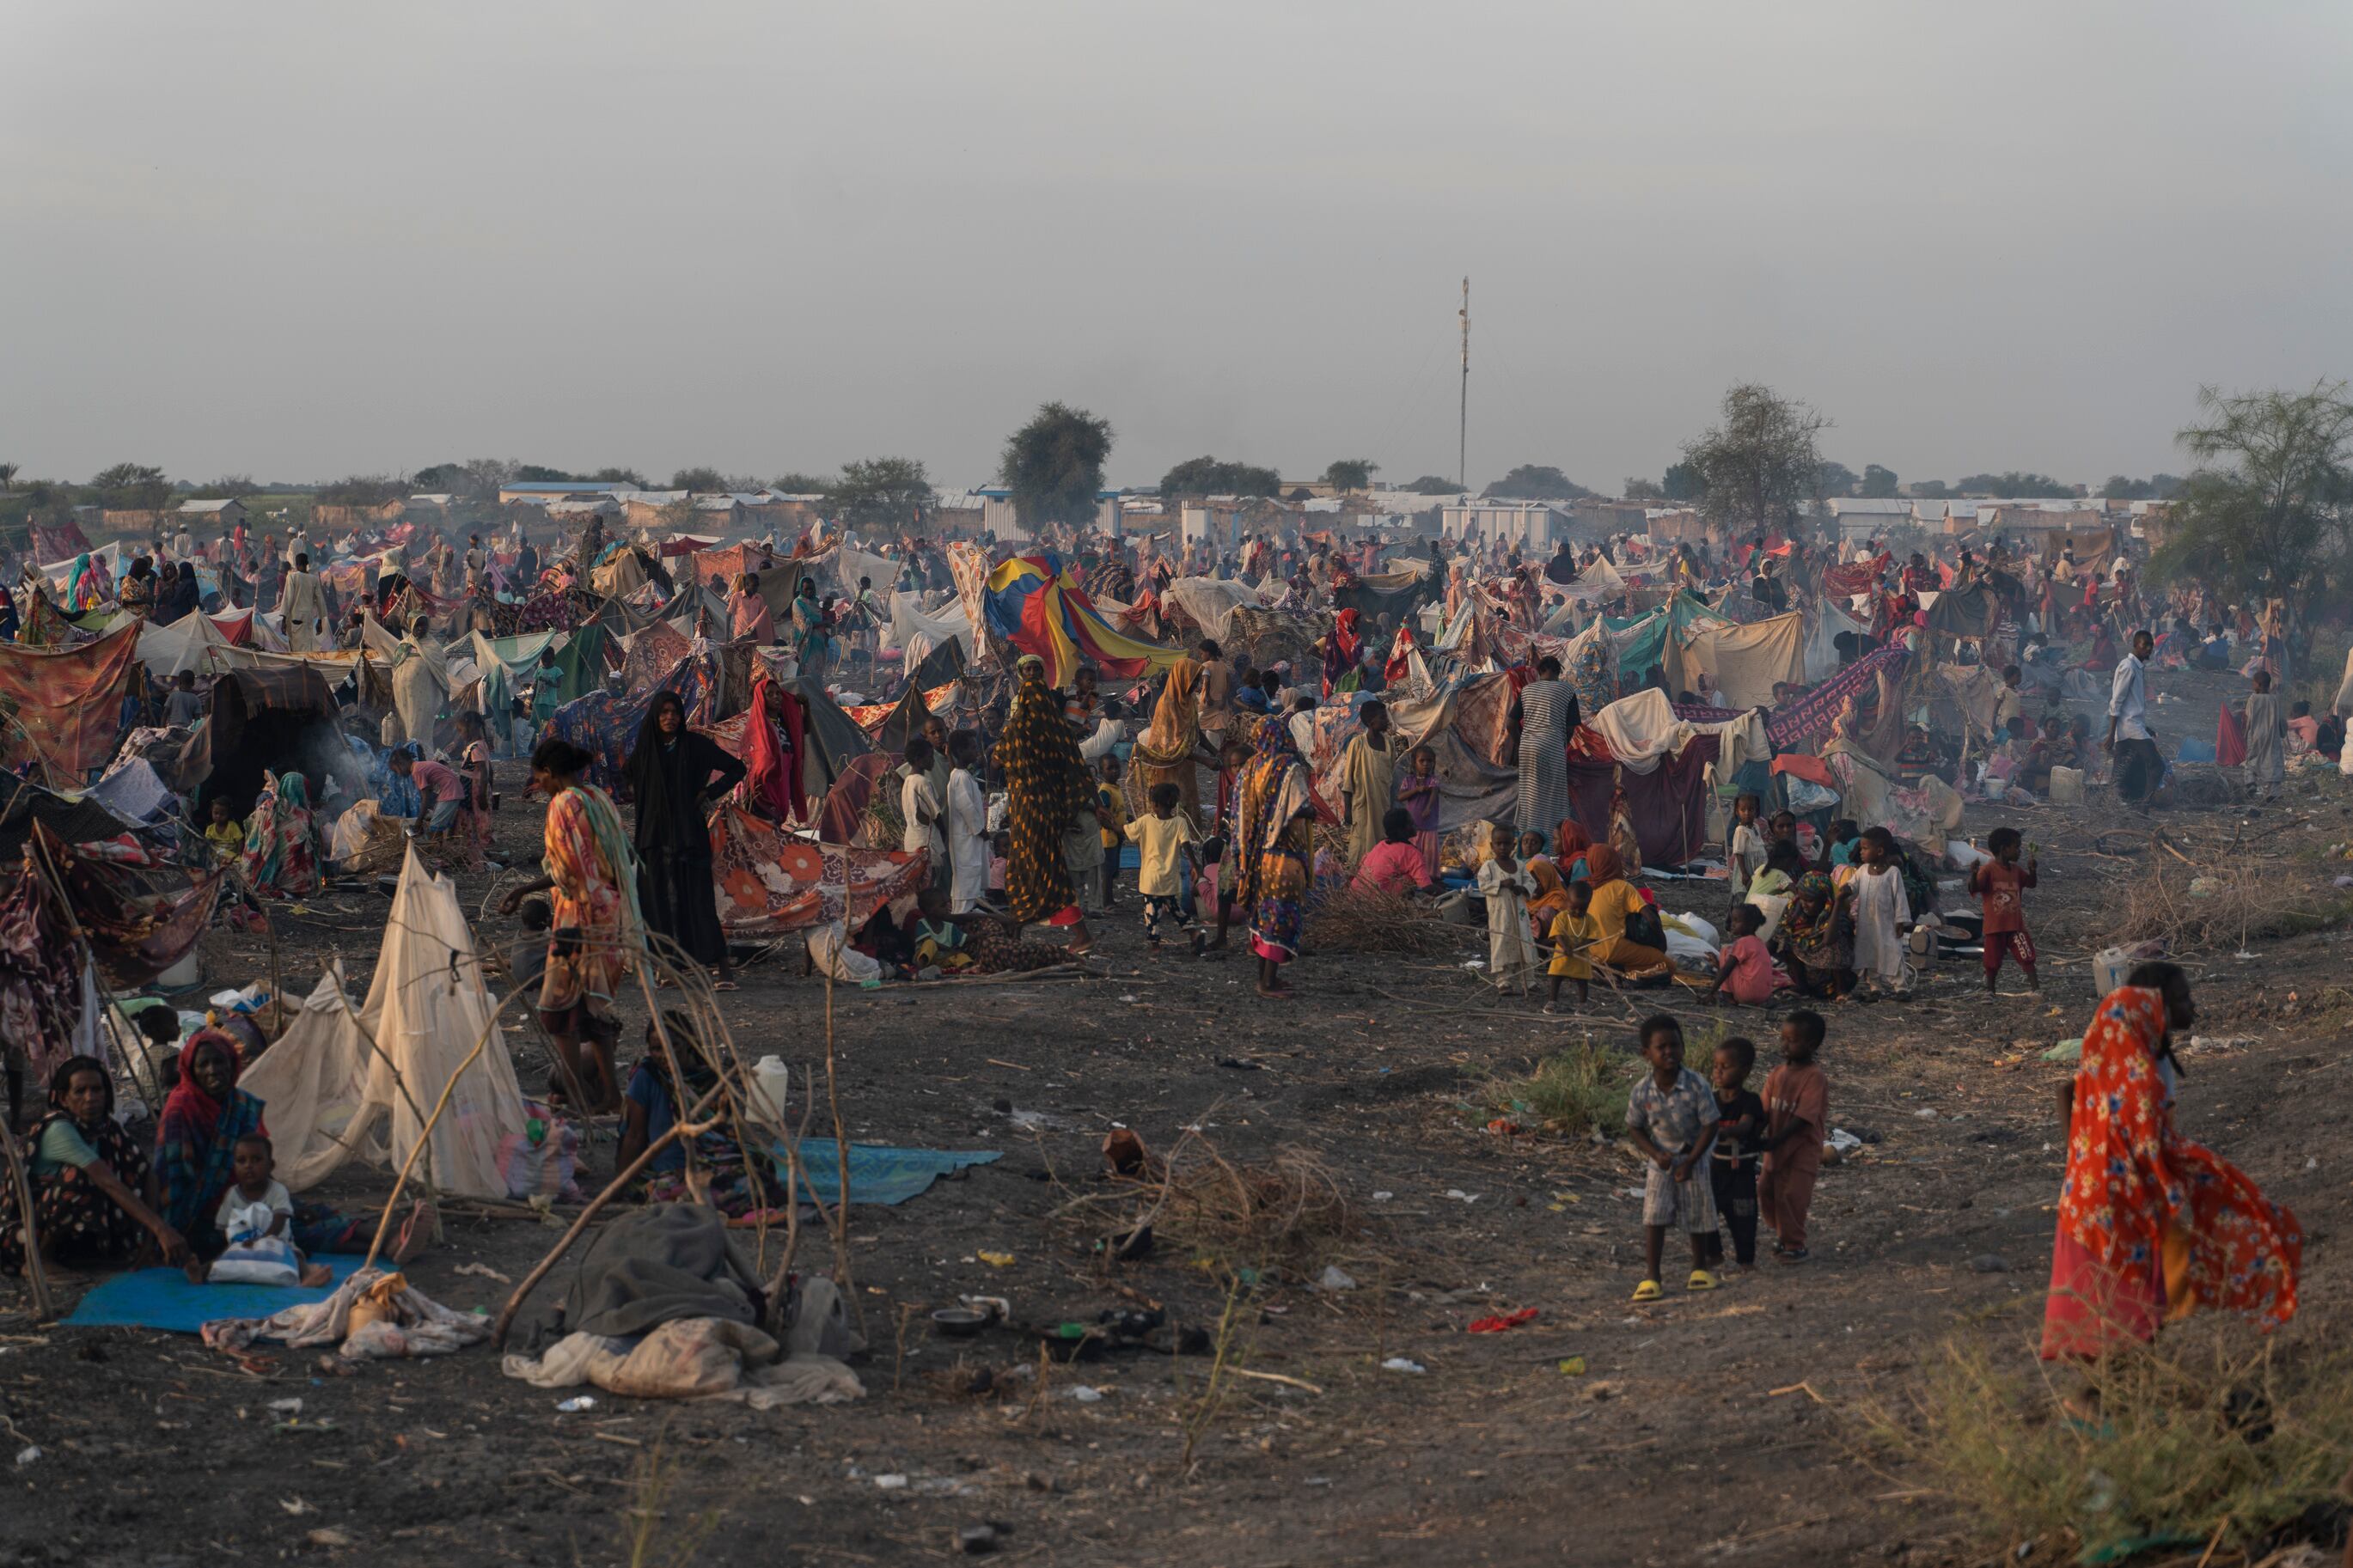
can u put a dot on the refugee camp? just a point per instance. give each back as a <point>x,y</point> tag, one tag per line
<point>870,958</point>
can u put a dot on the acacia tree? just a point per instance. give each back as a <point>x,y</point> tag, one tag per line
<point>1350,473</point>
<point>1054,465</point>
<point>1760,461</point>
<point>1212,477</point>
<point>884,492</point>
<point>2268,513</point>
<point>132,486</point>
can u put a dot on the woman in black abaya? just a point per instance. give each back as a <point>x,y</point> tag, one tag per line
<point>673,774</point>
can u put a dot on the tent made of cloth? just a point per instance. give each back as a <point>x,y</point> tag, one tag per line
<point>1744,662</point>
<point>771,881</point>
<point>1209,602</point>
<point>69,703</point>
<point>1637,730</point>
<point>257,721</point>
<point>1668,805</point>
<point>77,819</point>
<point>916,634</point>
<point>830,739</point>
<point>340,1084</point>
<point>138,921</point>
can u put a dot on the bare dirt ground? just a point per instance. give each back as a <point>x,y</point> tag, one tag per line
<point>1724,1427</point>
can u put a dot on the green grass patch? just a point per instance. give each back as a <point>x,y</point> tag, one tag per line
<point>1574,1094</point>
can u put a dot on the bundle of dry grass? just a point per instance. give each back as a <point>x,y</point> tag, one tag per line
<point>2192,909</point>
<point>1285,1212</point>
<point>1353,921</point>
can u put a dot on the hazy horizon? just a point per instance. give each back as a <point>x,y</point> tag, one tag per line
<point>301,243</point>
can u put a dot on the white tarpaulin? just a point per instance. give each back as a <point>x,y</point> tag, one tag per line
<point>334,1083</point>
<point>918,634</point>
<point>1210,602</point>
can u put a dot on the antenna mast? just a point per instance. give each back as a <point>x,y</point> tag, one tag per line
<point>1462,436</point>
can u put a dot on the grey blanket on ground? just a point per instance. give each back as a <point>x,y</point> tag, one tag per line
<point>664,1262</point>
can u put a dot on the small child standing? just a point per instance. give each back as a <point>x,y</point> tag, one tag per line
<point>225,833</point>
<point>1575,932</point>
<point>1164,841</point>
<point>1418,792</point>
<point>1744,851</point>
<point>1797,1119</point>
<point>2001,884</point>
<point>253,1170</point>
<point>1672,1118</point>
<point>1111,812</point>
<point>1732,1170</point>
<point>1507,889</point>
<point>1881,911</point>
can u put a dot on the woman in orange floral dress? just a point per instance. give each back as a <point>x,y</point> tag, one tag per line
<point>598,932</point>
<point>2151,1225</point>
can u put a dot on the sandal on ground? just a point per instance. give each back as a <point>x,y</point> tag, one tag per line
<point>1701,1279</point>
<point>1792,1253</point>
<point>416,1234</point>
<point>1648,1291</point>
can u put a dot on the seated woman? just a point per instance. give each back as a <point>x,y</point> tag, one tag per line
<point>1395,864</point>
<point>652,1108</point>
<point>204,1117</point>
<point>1615,902</point>
<point>1551,900</point>
<point>1816,940</point>
<point>94,1195</point>
<point>1569,843</point>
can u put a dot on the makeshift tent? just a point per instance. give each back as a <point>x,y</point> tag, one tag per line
<point>917,634</point>
<point>1744,662</point>
<point>942,666</point>
<point>1668,805</point>
<point>339,1084</point>
<point>771,882</point>
<point>59,541</point>
<point>1209,602</point>
<point>24,804</point>
<point>140,916</point>
<point>1970,611</point>
<point>830,739</point>
<point>257,721</point>
<point>1870,683</point>
<point>605,724</point>
<point>1038,607</point>
<point>69,703</point>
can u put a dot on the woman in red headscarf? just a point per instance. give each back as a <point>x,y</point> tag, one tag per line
<point>2151,1225</point>
<point>1569,843</point>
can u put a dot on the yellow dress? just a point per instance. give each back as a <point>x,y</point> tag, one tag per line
<point>1574,937</point>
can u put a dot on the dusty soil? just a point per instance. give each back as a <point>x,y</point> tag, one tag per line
<point>1710,1428</point>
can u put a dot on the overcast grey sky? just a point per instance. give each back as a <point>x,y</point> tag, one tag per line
<point>305,240</point>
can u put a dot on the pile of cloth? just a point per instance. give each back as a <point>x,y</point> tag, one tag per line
<point>660,1308</point>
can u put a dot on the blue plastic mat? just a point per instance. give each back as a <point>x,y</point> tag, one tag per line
<point>163,1298</point>
<point>878,1173</point>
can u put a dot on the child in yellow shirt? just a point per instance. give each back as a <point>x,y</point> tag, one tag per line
<point>1574,933</point>
<point>225,833</point>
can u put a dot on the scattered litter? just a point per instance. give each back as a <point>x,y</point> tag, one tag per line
<point>578,1402</point>
<point>1841,1141</point>
<point>1395,1364</point>
<point>1572,1366</point>
<point>1334,1277</point>
<point>285,1407</point>
<point>1925,1114</point>
<point>997,1259</point>
<point>978,1539</point>
<point>1474,964</point>
<point>1241,1065</point>
<point>1383,1197</point>
<point>1086,1396</point>
<point>2066,1051</point>
<point>295,1506</point>
<point>1504,1324</point>
<point>481,1271</point>
<point>329,1536</point>
<point>1989,1263</point>
<point>894,1482</point>
<point>1460,1196</point>
<point>1128,996</point>
<point>27,1455</point>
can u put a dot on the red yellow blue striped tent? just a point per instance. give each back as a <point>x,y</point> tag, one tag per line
<point>1033,604</point>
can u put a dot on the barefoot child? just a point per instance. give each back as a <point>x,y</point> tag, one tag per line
<point>1798,1118</point>
<point>2001,884</point>
<point>1732,1169</point>
<point>1507,889</point>
<point>1418,792</point>
<point>1672,1118</point>
<point>1881,911</point>
<point>1164,840</point>
<point>1745,848</point>
<point>253,1167</point>
<point>1574,933</point>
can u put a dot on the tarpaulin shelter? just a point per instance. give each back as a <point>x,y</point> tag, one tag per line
<point>1034,603</point>
<point>1668,805</point>
<point>1871,683</point>
<point>69,703</point>
<point>1745,662</point>
<point>771,881</point>
<point>780,576</point>
<point>140,919</point>
<point>59,541</point>
<point>943,665</point>
<point>340,1084</point>
<point>830,739</point>
<point>605,723</point>
<point>24,804</point>
<point>261,722</point>
<point>1970,611</point>
<point>918,635</point>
